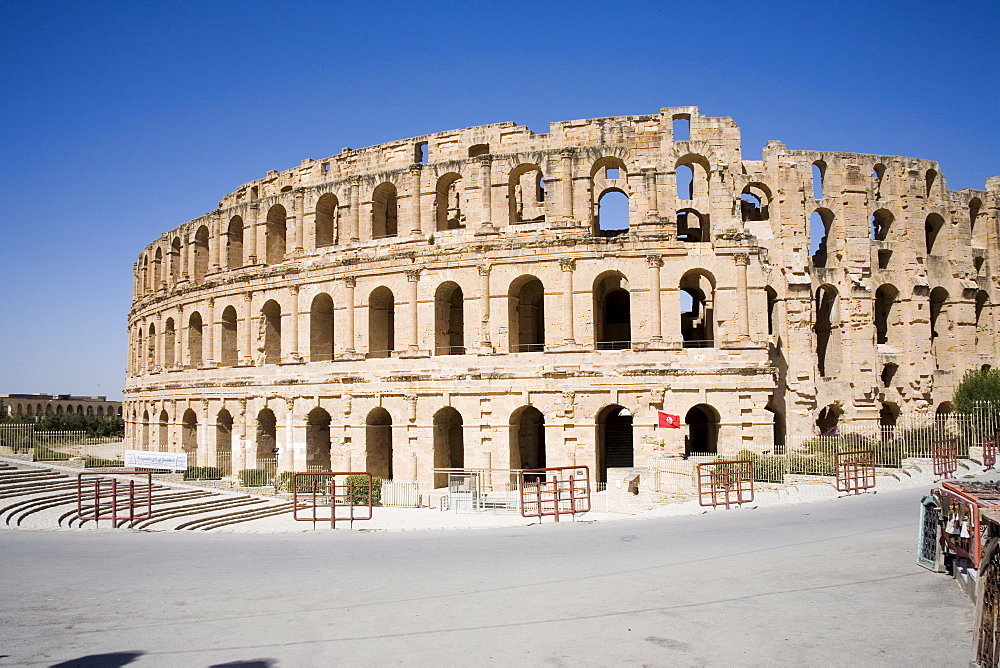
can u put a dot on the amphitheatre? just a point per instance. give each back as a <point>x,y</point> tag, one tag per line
<point>467,299</point>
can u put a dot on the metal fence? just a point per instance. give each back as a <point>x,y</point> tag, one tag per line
<point>54,446</point>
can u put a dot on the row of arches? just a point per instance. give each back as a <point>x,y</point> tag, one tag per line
<point>527,439</point>
<point>186,343</point>
<point>23,409</point>
<point>334,218</point>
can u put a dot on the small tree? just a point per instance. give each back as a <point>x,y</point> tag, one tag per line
<point>978,387</point>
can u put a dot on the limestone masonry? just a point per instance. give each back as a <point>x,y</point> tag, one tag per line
<point>470,299</point>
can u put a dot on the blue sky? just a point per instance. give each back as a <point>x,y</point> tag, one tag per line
<point>121,120</point>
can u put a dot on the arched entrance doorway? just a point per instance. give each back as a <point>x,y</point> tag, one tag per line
<point>703,430</point>
<point>527,438</point>
<point>614,440</point>
<point>378,443</point>
<point>224,442</point>
<point>449,443</point>
<point>318,440</point>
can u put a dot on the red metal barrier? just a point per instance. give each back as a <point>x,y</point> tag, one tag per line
<point>725,483</point>
<point>944,454</point>
<point>103,495</point>
<point>990,452</point>
<point>555,491</point>
<point>316,497</point>
<point>855,471</point>
<point>961,503</point>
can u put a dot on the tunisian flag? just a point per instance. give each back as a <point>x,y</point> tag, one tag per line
<point>669,421</point>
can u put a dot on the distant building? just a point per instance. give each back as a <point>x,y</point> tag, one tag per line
<point>56,404</point>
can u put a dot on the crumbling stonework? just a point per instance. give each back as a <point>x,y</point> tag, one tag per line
<point>461,300</point>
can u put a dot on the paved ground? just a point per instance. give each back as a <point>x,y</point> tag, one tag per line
<point>831,583</point>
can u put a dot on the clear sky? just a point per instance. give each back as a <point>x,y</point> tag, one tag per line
<point>121,120</point>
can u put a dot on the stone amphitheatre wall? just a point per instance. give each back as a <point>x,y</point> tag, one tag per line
<point>466,298</point>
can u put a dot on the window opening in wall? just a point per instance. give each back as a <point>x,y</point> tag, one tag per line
<point>420,152</point>
<point>525,194</point>
<point>827,331</point>
<point>819,229</point>
<point>612,213</point>
<point>378,443</point>
<point>977,263</point>
<point>614,440</point>
<point>611,173</point>
<point>929,179</point>
<point>527,316</point>
<point>884,255</point>
<point>449,443</point>
<point>692,226</point>
<point>887,418</point>
<point>697,316</point>
<point>230,344</point>
<point>878,175</point>
<point>777,427</point>
<point>612,310</point>
<point>477,150</point>
<point>703,430</point>
<point>318,444</point>
<point>932,228</point>
<point>272,332</point>
<point>275,231</point>
<point>195,328</point>
<point>286,189</point>
<point>888,374</point>
<point>381,323</point>
<point>772,303</point>
<point>681,128</point>
<point>200,253</point>
<point>321,328</point>
<point>254,192</point>
<point>828,420</point>
<point>448,203</point>
<point>885,299</point>
<point>449,320</point>
<point>234,243</point>
<point>750,208</point>
<point>879,225</point>
<point>384,212</point>
<point>541,188</point>
<point>818,176</point>
<point>326,212</point>
<point>685,182</point>
<point>325,167</point>
<point>527,439</point>
<point>982,301</point>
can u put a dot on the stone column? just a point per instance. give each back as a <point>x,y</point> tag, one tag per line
<point>484,300</point>
<point>652,203</point>
<point>415,186</point>
<point>566,167</point>
<point>350,282</point>
<point>486,198</point>
<point>159,343</point>
<point>655,262</point>
<point>240,422</point>
<point>210,338</point>
<point>742,304</point>
<point>298,221</point>
<point>248,326</point>
<point>354,223</point>
<point>178,348</point>
<point>567,266</point>
<point>250,237</point>
<point>293,330</point>
<point>216,248</point>
<point>413,276</point>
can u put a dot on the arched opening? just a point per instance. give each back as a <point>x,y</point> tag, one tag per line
<point>939,325</point>
<point>59,409</point>
<point>818,178</point>
<point>385,214</point>
<point>195,329</point>
<point>145,430</point>
<point>381,322</point>
<point>820,224</point>
<point>448,202</point>
<point>321,328</point>
<point>477,150</point>
<point>828,420</point>
<point>612,212</point>
<point>318,440</point>
<point>614,440</point>
<point>90,410</point>
<point>880,223</point>
<point>932,229</point>
<point>888,374</point>
<point>326,213</point>
<point>527,439</point>
<point>755,201</point>
<point>697,298</point>
<point>162,432</point>
<point>200,253</point>
<point>827,330</point>
<point>275,233</point>
<point>230,337</point>
<point>692,226</point>
<point>158,269</point>
<point>378,443</point>
<point>189,436</point>
<point>777,427</point>
<point>943,411</point>
<point>271,312</point>
<point>224,441</point>
<point>885,299</point>
<point>151,348</point>
<point>169,341</point>
<point>684,175</point>
<point>612,313</point>
<point>234,243</point>
<point>449,320</point>
<point>266,438</point>
<point>887,417</point>
<point>982,301</point>
<point>703,430</point>
<point>772,304</point>
<point>878,179</point>
<point>526,313</point>
<point>526,194</point>
<point>175,260</point>
<point>449,443</point>
<point>929,180</point>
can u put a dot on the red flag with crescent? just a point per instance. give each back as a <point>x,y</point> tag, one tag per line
<point>669,421</point>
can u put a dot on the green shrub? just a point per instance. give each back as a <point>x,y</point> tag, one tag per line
<point>255,477</point>
<point>203,473</point>
<point>357,491</point>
